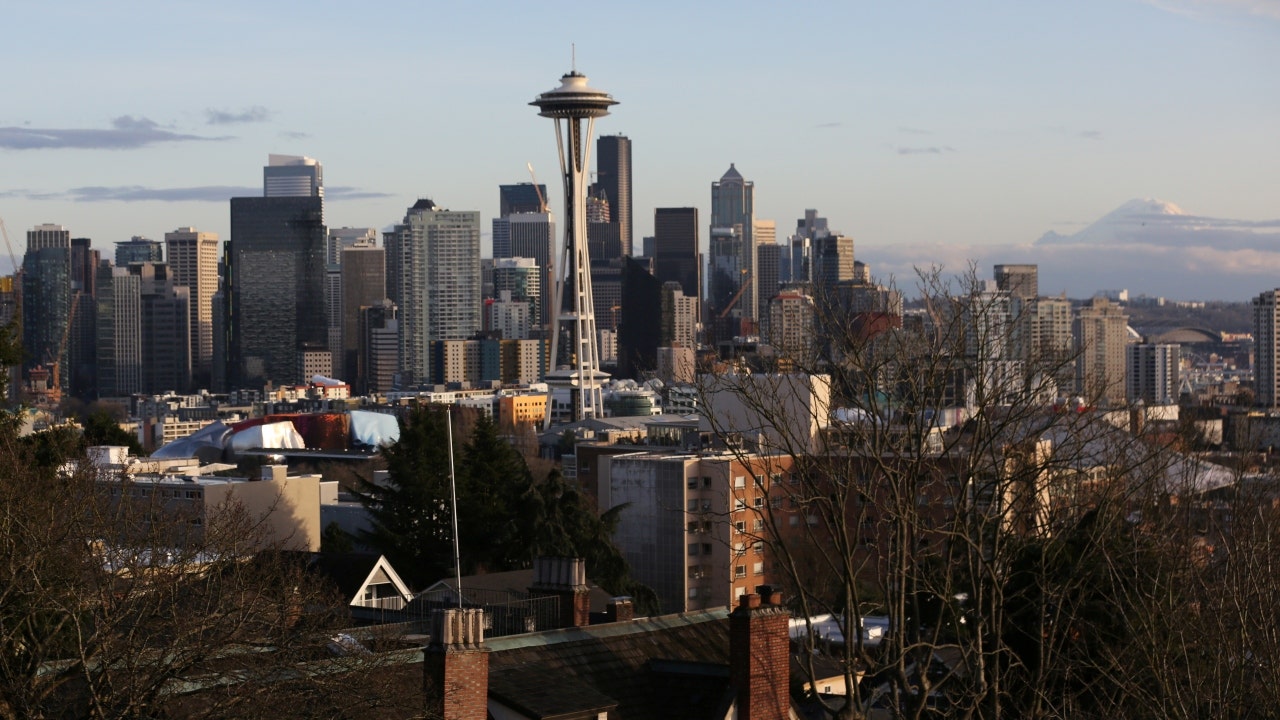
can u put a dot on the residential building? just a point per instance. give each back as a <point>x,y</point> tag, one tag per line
<point>119,331</point>
<point>433,276</point>
<point>1266,337</point>
<point>1101,334</point>
<point>532,235</point>
<point>522,278</point>
<point>379,333</point>
<point>1020,281</point>
<point>1152,373</point>
<point>695,528</point>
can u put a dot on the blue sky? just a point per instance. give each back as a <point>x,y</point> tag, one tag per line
<point>929,131</point>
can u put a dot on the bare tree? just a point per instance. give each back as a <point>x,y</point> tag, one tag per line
<point>931,484</point>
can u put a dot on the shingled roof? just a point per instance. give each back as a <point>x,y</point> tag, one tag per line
<point>674,666</point>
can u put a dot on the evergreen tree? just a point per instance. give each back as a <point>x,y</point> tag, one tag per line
<point>412,511</point>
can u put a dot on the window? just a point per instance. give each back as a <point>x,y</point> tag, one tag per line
<point>740,481</point>
<point>775,503</point>
<point>739,571</point>
<point>759,501</point>
<point>706,482</point>
<point>758,525</point>
<point>692,484</point>
<point>759,481</point>
<point>794,521</point>
<point>692,505</point>
<point>758,568</point>
<point>692,527</point>
<point>706,548</point>
<point>741,504</point>
<point>758,546</point>
<point>693,592</point>
<point>740,526</point>
<point>693,549</point>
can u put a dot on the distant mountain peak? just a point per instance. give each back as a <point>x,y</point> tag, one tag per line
<point>1118,225</point>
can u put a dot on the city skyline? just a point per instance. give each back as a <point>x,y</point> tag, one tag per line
<point>927,133</point>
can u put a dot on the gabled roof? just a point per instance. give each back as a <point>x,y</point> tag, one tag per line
<point>731,174</point>
<point>352,572</point>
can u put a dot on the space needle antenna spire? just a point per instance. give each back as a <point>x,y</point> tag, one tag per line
<point>569,106</point>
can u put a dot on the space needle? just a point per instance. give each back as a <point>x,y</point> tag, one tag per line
<point>569,105</point>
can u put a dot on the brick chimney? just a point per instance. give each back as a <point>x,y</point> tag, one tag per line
<point>456,666</point>
<point>566,579</point>
<point>759,656</point>
<point>620,609</point>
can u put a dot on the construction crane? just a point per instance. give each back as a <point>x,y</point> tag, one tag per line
<point>542,201</point>
<point>13,258</point>
<point>746,278</point>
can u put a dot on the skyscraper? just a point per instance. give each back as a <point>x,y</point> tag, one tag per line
<point>675,239</point>
<point>521,198</point>
<point>46,296</point>
<point>276,274</point>
<point>433,276</point>
<point>733,206</point>
<point>568,106</point>
<point>292,176</point>
<point>613,176</point>
<point>364,284</point>
<point>345,237</point>
<point>193,261</point>
<point>80,375</point>
<point>138,249</point>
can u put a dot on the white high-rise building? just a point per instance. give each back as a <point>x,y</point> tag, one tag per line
<point>433,276</point>
<point>292,176</point>
<point>193,260</point>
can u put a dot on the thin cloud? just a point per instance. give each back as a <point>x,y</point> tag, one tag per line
<point>126,133</point>
<point>255,114</point>
<point>829,125</point>
<point>931,150</point>
<point>1090,134</point>
<point>1199,9</point>
<point>138,193</point>
<point>913,131</point>
<point>294,135</point>
<point>351,193</point>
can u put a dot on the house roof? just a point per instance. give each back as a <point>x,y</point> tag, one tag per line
<point>351,572</point>
<point>516,582</point>
<point>674,666</point>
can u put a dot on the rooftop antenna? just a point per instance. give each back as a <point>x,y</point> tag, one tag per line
<point>453,493</point>
<point>573,57</point>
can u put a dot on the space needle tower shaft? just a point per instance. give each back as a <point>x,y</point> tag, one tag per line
<point>569,106</point>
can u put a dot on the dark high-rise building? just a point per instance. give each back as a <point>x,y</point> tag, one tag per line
<point>80,375</point>
<point>533,235</point>
<point>521,198</point>
<point>613,176</point>
<point>275,274</point>
<point>165,329</point>
<point>138,249</point>
<point>675,232</point>
<point>640,319</point>
<point>364,284</point>
<point>768,271</point>
<point>46,305</point>
<point>379,332</point>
